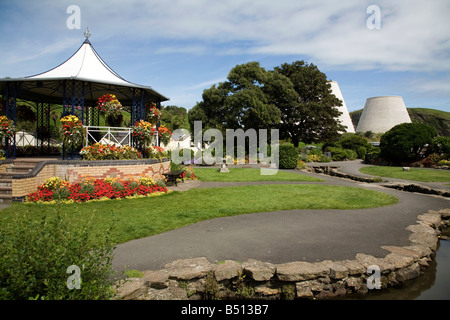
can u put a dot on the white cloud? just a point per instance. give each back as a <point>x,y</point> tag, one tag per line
<point>414,34</point>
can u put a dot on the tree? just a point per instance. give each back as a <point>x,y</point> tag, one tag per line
<point>406,142</point>
<point>174,117</point>
<point>313,117</point>
<point>244,101</point>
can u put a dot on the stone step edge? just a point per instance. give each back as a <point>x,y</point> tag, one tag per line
<point>189,278</point>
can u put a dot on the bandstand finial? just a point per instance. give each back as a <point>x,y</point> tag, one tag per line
<point>87,34</point>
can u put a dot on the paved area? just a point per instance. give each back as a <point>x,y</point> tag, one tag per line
<point>284,236</point>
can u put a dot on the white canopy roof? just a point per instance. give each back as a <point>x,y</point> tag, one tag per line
<point>84,65</point>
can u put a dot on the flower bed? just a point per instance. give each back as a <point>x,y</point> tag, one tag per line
<point>100,151</point>
<point>57,189</point>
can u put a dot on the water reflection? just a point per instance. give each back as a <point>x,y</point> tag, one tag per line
<point>433,284</point>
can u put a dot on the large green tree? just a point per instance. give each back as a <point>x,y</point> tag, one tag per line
<point>313,117</point>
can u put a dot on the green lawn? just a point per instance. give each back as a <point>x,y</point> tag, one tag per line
<point>249,174</point>
<point>415,174</point>
<point>136,218</point>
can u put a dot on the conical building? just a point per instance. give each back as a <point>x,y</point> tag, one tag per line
<point>380,114</point>
<point>344,118</point>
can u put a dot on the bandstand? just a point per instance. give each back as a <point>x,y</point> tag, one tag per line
<point>76,84</point>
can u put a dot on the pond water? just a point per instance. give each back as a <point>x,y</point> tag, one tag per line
<point>433,284</point>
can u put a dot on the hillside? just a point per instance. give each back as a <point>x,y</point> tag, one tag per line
<point>438,119</point>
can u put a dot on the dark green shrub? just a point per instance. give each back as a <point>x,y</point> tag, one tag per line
<point>36,252</point>
<point>288,156</point>
<point>356,143</point>
<point>361,152</point>
<point>339,154</point>
<point>327,145</point>
<point>406,142</point>
<point>441,146</point>
<point>372,156</point>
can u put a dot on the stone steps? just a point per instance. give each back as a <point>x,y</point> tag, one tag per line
<point>18,167</point>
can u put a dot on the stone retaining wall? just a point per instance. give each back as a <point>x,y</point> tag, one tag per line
<point>197,278</point>
<point>404,186</point>
<point>76,170</point>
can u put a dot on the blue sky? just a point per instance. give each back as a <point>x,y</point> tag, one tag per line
<point>181,47</point>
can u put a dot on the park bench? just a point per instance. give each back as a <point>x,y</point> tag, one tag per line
<point>172,176</point>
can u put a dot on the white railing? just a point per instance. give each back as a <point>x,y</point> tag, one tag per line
<point>118,136</point>
<point>24,138</point>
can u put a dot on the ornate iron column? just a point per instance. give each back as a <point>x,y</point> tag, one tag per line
<point>10,106</point>
<point>137,114</point>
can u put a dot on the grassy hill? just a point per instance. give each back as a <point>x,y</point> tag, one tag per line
<point>438,119</point>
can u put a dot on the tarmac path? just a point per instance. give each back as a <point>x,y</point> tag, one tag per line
<point>284,236</point>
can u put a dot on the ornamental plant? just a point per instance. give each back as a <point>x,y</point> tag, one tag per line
<point>55,183</point>
<point>143,132</point>
<point>164,134</point>
<point>152,113</point>
<point>109,105</point>
<point>73,131</point>
<point>7,128</point>
<point>100,151</point>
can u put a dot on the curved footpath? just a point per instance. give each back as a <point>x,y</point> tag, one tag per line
<point>285,236</point>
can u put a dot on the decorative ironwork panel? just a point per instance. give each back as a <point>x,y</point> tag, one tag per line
<point>92,116</point>
<point>43,127</point>
<point>73,98</point>
<point>73,103</point>
<point>137,109</point>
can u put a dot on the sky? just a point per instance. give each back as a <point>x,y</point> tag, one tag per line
<point>182,47</point>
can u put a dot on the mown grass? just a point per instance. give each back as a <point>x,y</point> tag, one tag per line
<point>141,217</point>
<point>250,174</point>
<point>415,174</point>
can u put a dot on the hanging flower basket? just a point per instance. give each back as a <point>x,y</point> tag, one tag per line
<point>143,132</point>
<point>110,106</point>
<point>7,128</point>
<point>73,131</point>
<point>165,135</point>
<point>152,113</point>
